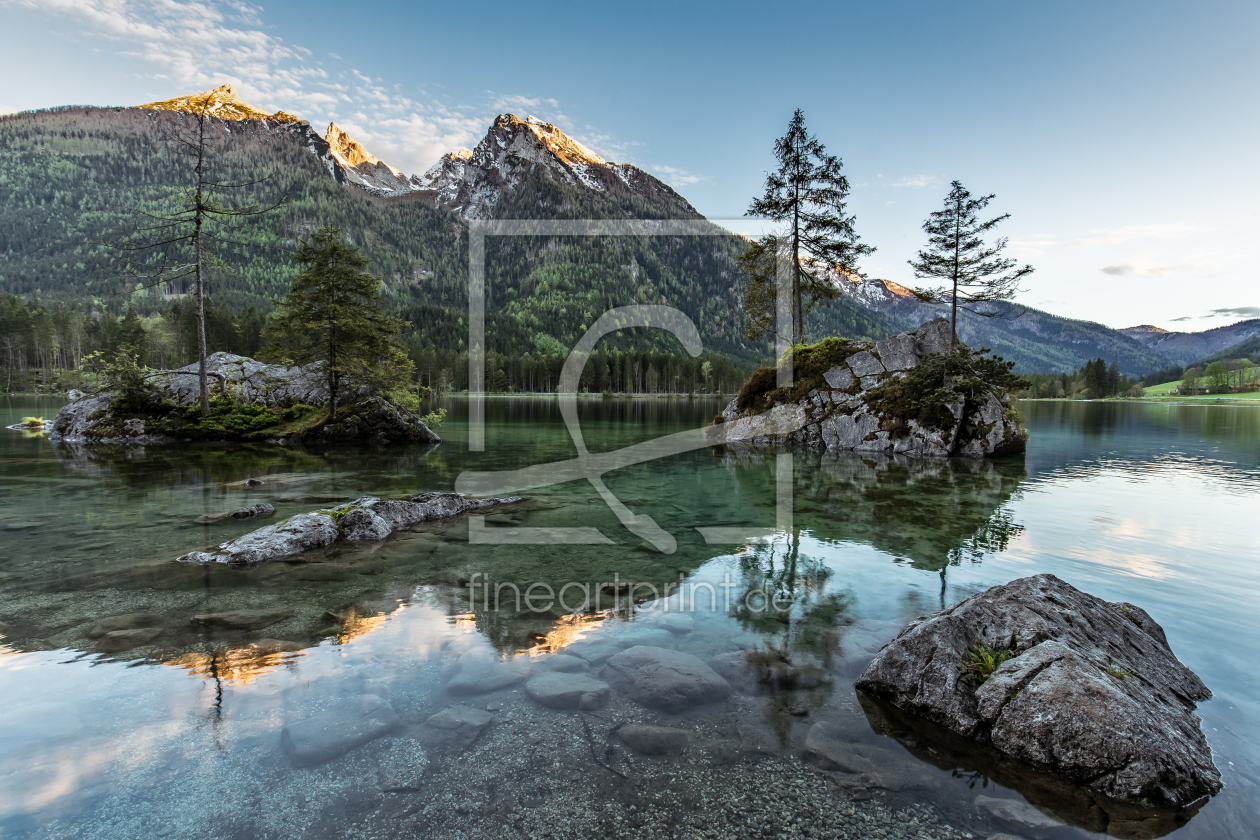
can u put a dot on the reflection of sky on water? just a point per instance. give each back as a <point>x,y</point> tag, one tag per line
<point>1138,506</point>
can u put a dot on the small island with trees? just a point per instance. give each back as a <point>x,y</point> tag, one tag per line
<point>331,369</point>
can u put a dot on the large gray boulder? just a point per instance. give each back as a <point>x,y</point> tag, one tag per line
<point>846,412</point>
<point>664,679</point>
<point>364,519</point>
<point>1094,694</point>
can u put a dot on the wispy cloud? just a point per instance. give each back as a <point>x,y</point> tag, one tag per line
<point>915,181</point>
<point>1235,311</point>
<point>193,45</point>
<point>1150,268</point>
<point>1037,243</point>
<point>676,177</point>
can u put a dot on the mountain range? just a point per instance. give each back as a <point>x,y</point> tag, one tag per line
<point>74,179</point>
<point>1186,347</point>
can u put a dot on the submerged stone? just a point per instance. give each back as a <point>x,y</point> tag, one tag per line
<point>348,724</point>
<point>476,674</point>
<point>242,619</point>
<point>664,679</point>
<point>117,641</point>
<point>456,727</point>
<point>1019,816</point>
<point>130,621</point>
<point>567,691</point>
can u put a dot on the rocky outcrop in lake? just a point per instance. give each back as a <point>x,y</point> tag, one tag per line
<point>250,400</point>
<point>909,394</point>
<point>364,519</point>
<point>1087,690</point>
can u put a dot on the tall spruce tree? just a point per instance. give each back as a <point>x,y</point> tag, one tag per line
<point>807,193</point>
<point>332,315</point>
<point>972,271</point>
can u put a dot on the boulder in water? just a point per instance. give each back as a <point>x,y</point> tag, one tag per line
<point>1089,691</point>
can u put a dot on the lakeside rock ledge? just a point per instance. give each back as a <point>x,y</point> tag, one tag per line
<point>1092,692</point>
<point>364,519</point>
<point>908,394</point>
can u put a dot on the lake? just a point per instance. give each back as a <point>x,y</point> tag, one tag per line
<point>181,735</point>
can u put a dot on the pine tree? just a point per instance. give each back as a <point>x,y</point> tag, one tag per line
<point>808,192</point>
<point>956,254</point>
<point>332,314</point>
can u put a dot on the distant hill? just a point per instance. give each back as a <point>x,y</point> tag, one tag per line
<point>1184,348</point>
<point>1036,341</point>
<point>1248,348</point>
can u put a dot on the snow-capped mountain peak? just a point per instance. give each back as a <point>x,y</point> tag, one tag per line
<point>360,167</point>
<point>222,102</point>
<point>348,150</point>
<point>475,183</point>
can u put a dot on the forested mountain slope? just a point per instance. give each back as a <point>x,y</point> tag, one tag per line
<point>73,181</point>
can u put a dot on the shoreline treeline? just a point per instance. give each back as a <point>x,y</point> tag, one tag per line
<point>42,347</point>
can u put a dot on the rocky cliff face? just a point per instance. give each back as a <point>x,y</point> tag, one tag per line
<point>474,183</point>
<point>865,397</point>
<point>362,169</point>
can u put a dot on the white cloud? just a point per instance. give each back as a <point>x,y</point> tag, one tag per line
<point>915,181</point>
<point>193,45</point>
<point>677,177</point>
<point>1038,243</point>
<point>190,46</point>
<point>1150,268</point>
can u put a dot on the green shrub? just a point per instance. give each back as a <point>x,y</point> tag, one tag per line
<point>405,399</point>
<point>298,411</point>
<point>980,661</point>
<point>122,373</point>
<point>938,381</point>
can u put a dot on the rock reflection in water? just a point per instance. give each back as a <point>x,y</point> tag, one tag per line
<point>1073,805</point>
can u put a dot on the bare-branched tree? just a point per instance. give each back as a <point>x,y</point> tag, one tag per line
<point>166,246</point>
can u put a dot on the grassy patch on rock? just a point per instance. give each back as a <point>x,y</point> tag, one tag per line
<point>809,363</point>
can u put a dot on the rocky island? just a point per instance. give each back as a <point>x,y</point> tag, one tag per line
<point>250,401</point>
<point>910,394</point>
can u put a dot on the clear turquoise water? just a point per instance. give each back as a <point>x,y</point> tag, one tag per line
<point>1152,504</point>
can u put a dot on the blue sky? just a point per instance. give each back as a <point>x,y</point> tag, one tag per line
<point>1120,136</point>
